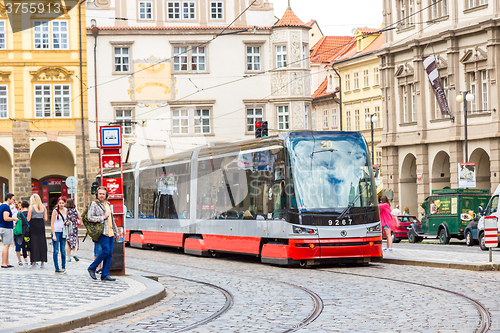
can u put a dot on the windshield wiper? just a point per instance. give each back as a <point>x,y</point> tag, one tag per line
<point>349,206</point>
<point>323,150</point>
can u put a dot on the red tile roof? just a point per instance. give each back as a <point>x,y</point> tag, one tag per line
<point>353,53</point>
<point>330,46</point>
<point>184,27</point>
<point>289,19</point>
<point>321,91</point>
<point>368,30</point>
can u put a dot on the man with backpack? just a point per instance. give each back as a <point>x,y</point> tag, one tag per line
<point>100,211</point>
<point>6,226</point>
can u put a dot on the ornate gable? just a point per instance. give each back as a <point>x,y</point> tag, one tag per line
<point>474,55</point>
<point>49,73</point>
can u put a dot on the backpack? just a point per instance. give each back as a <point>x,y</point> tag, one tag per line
<point>94,229</point>
<point>18,229</point>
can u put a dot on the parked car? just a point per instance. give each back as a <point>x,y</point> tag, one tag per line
<point>399,227</point>
<point>471,234</point>
<point>448,212</point>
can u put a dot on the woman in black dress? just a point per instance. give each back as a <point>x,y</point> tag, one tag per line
<point>37,215</point>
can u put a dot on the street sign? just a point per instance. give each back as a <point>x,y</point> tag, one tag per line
<point>72,190</point>
<point>71,182</point>
<point>490,231</point>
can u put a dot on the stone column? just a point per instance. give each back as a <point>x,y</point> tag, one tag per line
<point>456,156</point>
<point>390,170</point>
<point>494,163</point>
<point>83,190</point>
<point>22,160</point>
<point>423,168</point>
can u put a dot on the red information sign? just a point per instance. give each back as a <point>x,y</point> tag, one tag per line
<point>114,185</point>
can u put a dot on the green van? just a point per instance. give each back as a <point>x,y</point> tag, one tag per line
<point>447,213</point>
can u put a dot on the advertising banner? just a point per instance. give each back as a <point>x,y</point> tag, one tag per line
<point>466,175</point>
<point>430,66</point>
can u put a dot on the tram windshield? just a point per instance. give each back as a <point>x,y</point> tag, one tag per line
<point>330,171</point>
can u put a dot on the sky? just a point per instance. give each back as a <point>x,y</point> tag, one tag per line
<point>335,17</point>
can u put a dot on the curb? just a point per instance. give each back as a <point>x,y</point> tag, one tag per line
<point>435,264</point>
<point>154,292</point>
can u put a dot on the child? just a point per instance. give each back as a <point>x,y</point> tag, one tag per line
<point>22,240</point>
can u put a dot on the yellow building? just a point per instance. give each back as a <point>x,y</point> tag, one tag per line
<point>42,109</point>
<point>360,88</point>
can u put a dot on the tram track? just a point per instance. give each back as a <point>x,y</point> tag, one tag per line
<point>484,314</point>
<point>318,304</point>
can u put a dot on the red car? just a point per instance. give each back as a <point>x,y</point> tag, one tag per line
<point>399,227</point>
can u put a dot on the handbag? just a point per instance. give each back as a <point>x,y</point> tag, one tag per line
<point>18,229</point>
<point>67,228</point>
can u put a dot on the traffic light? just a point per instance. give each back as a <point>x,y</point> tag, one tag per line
<point>258,129</point>
<point>264,129</point>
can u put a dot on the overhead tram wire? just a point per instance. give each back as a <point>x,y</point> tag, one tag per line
<point>392,26</point>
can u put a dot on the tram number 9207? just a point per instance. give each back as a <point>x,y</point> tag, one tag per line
<point>343,222</point>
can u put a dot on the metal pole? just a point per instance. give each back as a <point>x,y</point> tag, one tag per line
<point>465,128</point>
<point>371,127</point>
<point>81,98</point>
<point>491,259</point>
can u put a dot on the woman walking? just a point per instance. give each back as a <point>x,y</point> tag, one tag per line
<point>386,220</point>
<point>37,215</point>
<point>73,217</point>
<point>59,234</point>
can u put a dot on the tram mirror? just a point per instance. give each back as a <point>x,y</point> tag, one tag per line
<point>279,174</point>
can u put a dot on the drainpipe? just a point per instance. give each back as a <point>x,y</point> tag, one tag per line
<point>80,2</point>
<point>340,97</point>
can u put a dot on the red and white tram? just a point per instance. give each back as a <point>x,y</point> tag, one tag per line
<point>297,198</point>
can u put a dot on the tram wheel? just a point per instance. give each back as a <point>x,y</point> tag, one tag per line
<point>303,264</point>
<point>214,254</point>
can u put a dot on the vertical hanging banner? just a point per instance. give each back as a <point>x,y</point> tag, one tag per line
<point>430,66</point>
<point>466,175</point>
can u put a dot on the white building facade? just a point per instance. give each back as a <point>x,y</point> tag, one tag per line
<point>421,147</point>
<point>179,74</point>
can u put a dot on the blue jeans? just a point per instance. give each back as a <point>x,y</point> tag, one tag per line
<point>106,244</point>
<point>60,243</point>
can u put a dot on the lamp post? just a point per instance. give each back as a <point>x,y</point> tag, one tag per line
<point>372,118</point>
<point>464,97</point>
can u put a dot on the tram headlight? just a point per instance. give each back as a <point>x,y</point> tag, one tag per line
<point>301,230</point>
<point>375,228</point>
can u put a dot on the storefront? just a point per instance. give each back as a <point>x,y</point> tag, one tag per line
<point>50,189</point>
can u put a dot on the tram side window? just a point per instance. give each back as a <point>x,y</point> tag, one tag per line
<point>244,186</point>
<point>129,193</point>
<point>147,189</point>
<point>172,195</point>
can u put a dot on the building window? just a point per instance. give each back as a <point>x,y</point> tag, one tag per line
<point>348,120</point>
<point>306,117</point>
<point>174,10</point>
<point>366,116</point>
<point>476,3</point>
<point>377,113</point>
<point>376,76</point>
<point>49,35</point>
<point>198,59</point>
<point>366,78</point>
<point>202,121</point>
<point>253,58</point>
<point>355,80</point>
<point>280,56</point>
<point>484,90</point>
<point>325,118</point>
<point>52,99</point>
<point>282,117</point>
<point>439,8</point>
<point>122,59</point>
<point>347,79</point>
<point>217,10</point>
<point>254,115</point>
<point>145,10</point>
<point>4,102</point>
<point>193,57</point>
<point>334,117</point>
<point>378,157</point>
<point>189,10</point>
<point>304,56</point>
<point>406,10</point>
<point>413,99</point>
<point>124,118</point>
<point>2,35</point>
<point>408,103</point>
<point>357,120</point>
<point>180,121</point>
<point>473,90</point>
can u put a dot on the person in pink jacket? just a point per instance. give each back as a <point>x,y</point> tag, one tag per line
<point>386,220</point>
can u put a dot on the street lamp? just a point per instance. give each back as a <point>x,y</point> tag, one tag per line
<point>464,97</point>
<point>372,118</point>
<point>95,33</point>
